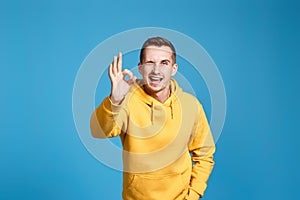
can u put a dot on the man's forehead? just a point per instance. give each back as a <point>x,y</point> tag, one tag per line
<point>165,49</point>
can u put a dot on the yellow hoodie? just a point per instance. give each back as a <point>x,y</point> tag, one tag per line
<point>167,147</point>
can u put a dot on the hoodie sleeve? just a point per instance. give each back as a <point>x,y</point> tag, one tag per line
<point>202,148</point>
<point>108,120</point>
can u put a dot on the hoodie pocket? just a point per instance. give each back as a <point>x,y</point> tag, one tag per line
<point>171,186</point>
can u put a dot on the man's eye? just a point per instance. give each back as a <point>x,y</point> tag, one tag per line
<point>164,63</point>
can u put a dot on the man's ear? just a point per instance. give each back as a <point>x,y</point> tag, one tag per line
<point>140,67</point>
<point>174,69</point>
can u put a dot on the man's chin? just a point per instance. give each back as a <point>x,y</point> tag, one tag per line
<point>154,88</point>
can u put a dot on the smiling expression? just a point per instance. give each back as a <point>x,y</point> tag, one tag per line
<point>157,68</point>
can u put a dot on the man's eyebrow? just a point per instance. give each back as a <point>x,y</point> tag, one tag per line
<point>149,61</point>
<point>165,60</point>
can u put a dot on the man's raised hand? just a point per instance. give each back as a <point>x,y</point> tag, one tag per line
<point>119,86</point>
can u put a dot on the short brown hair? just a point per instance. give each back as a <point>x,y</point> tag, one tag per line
<point>158,42</point>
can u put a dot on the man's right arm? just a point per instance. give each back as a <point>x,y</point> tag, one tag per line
<point>108,120</point>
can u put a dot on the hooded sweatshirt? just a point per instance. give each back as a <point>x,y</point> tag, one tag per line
<point>167,147</point>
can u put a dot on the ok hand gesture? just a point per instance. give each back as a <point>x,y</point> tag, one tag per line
<point>119,86</point>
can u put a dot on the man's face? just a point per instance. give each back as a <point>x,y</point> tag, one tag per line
<point>157,67</point>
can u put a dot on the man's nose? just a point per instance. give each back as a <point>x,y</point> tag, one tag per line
<point>156,68</point>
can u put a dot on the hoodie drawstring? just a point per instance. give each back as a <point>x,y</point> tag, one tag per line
<point>152,110</point>
<point>171,105</point>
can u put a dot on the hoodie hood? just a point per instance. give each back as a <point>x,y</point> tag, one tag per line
<point>175,91</point>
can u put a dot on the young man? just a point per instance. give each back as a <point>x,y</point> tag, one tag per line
<point>167,144</point>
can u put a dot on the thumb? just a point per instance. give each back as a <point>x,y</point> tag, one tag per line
<point>131,80</point>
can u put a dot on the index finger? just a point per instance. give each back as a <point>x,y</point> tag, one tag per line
<point>128,73</point>
<point>119,65</point>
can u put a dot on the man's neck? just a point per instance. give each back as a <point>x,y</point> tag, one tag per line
<point>161,95</point>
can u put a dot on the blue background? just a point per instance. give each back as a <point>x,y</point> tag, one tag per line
<point>255,45</point>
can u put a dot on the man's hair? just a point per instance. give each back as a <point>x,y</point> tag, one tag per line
<point>158,42</point>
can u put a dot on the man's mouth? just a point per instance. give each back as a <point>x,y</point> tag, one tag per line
<point>155,80</point>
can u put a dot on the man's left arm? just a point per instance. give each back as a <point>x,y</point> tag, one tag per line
<point>202,148</point>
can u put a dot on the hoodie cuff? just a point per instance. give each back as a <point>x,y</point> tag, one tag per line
<point>109,105</point>
<point>199,188</point>
<point>193,195</point>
